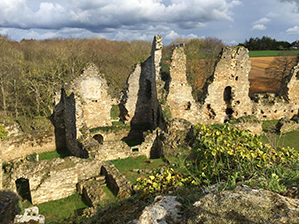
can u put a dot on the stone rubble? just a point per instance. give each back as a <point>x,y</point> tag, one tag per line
<point>30,215</point>
<point>164,210</point>
<point>243,205</point>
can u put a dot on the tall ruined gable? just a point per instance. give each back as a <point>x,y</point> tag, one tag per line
<point>179,99</point>
<point>93,103</point>
<point>140,105</point>
<point>64,120</point>
<point>227,93</point>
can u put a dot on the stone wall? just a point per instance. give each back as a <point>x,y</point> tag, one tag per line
<point>64,120</point>
<point>115,181</point>
<point>25,144</point>
<point>140,106</point>
<point>271,107</point>
<point>179,98</point>
<point>228,88</point>
<point>52,180</point>
<point>111,150</point>
<point>58,178</point>
<point>93,103</point>
<point>289,89</point>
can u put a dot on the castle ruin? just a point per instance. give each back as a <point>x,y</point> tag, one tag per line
<point>227,94</point>
<point>85,104</point>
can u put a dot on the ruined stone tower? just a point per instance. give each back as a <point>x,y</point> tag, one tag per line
<point>228,88</point>
<point>64,120</point>
<point>180,100</point>
<point>140,105</point>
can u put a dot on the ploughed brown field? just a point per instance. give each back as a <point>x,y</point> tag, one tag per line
<point>266,72</point>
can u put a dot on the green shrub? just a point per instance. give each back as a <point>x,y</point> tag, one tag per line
<point>223,153</point>
<point>167,113</point>
<point>3,133</point>
<point>163,181</point>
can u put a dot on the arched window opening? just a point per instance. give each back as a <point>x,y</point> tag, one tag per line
<point>228,97</point>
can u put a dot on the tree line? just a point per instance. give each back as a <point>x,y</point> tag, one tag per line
<point>201,58</point>
<point>266,43</point>
<point>31,71</point>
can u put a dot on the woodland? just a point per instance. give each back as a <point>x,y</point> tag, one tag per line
<point>32,71</point>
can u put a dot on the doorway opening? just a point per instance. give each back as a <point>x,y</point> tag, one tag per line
<point>23,189</point>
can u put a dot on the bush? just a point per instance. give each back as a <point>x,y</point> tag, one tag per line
<point>223,153</point>
<point>163,181</point>
<point>3,133</point>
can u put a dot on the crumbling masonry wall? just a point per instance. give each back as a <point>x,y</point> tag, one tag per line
<point>180,100</point>
<point>93,103</point>
<point>228,88</point>
<point>56,179</point>
<point>64,120</point>
<point>140,105</point>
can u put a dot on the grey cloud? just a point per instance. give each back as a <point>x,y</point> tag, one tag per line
<point>98,15</point>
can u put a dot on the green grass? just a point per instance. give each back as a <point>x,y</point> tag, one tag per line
<point>53,154</point>
<point>115,112</point>
<point>272,53</point>
<point>63,208</point>
<point>126,166</point>
<point>109,194</point>
<point>116,126</point>
<point>268,124</point>
<point>287,139</point>
<point>49,155</point>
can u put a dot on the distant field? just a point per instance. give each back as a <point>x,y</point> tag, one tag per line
<point>261,76</point>
<point>273,53</point>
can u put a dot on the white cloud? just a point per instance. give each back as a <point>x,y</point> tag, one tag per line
<point>261,21</point>
<point>293,30</point>
<point>172,35</point>
<point>260,24</point>
<point>193,36</point>
<point>259,27</point>
<point>233,42</point>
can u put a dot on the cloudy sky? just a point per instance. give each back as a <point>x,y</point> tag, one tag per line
<point>233,21</point>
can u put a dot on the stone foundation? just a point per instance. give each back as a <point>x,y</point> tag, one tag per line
<point>59,178</point>
<point>116,182</point>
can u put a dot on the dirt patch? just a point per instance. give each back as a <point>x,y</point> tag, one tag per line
<point>266,72</point>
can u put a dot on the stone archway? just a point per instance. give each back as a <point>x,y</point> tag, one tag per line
<point>99,138</point>
<point>23,189</point>
<point>228,97</point>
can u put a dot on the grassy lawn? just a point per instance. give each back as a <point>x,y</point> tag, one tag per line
<point>54,154</point>
<point>126,166</point>
<point>63,208</point>
<point>272,53</point>
<point>287,139</point>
